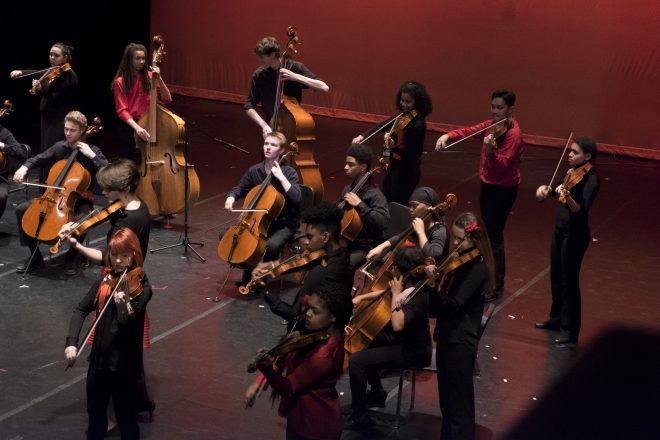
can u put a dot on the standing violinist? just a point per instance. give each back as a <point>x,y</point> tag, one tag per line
<point>286,182</point>
<point>309,399</point>
<point>263,87</point>
<point>404,342</point>
<point>115,361</point>
<point>322,225</point>
<point>89,156</point>
<point>368,201</point>
<point>406,142</point>
<point>56,96</point>
<point>570,239</point>
<point>130,87</point>
<point>431,236</point>
<point>10,148</point>
<point>499,171</point>
<point>458,325</point>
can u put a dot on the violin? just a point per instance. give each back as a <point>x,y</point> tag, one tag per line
<point>244,243</point>
<point>351,223</point>
<point>51,75</point>
<point>293,263</point>
<point>294,341</point>
<point>90,220</point>
<point>573,178</point>
<point>492,129</point>
<point>452,262</point>
<point>297,125</point>
<point>400,123</point>
<point>66,183</point>
<point>4,111</point>
<point>131,282</point>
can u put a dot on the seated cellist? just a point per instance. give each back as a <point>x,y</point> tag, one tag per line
<point>286,182</point>
<point>404,341</point>
<point>90,157</point>
<point>368,201</point>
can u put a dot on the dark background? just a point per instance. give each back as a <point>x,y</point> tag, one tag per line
<point>98,31</point>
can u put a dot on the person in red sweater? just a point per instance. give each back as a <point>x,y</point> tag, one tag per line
<point>499,172</point>
<point>130,87</point>
<point>309,399</point>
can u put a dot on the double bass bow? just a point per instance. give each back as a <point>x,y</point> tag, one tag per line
<point>297,125</point>
<point>163,185</point>
<point>244,243</point>
<point>351,223</point>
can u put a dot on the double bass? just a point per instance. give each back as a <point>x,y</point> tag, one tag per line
<point>297,125</point>
<point>244,244</point>
<point>163,185</point>
<point>66,183</point>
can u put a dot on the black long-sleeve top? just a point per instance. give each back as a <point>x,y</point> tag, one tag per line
<point>61,150</point>
<point>256,174</point>
<point>117,347</point>
<point>336,270</point>
<point>408,151</point>
<point>373,212</point>
<point>57,98</point>
<point>12,147</point>
<point>435,247</point>
<point>584,193</point>
<point>263,87</point>
<point>461,307</point>
<point>137,220</point>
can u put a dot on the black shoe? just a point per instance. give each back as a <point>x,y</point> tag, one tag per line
<point>149,406</point>
<point>37,263</point>
<point>376,398</point>
<point>71,269</point>
<point>359,422</point>
<point>547,325</point>
<point>565,339</point>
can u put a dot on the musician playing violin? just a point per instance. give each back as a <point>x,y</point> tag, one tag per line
<point>115,361</point>
<point>406,142</point>
<point>9,147</point>
<point>56,96</point>
<point>570,239</point>
<point>90,157</point>
<point>130,87</point>
<point>263,86</point>
<point>432,237</point>
<point>322,225</point>
<point>285,181</point>
<point>309,400</point>
<point>368,201</point>
<point>499,172</point>
<point>404,342</point>
<point>459,311</point>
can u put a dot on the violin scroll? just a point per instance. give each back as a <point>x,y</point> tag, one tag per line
<point>6,109</point>
<point>159,50</point>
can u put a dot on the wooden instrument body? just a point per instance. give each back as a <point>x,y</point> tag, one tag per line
<point>351,225</point>
<point>162,176</point>
<point>46,215</point>
<point>370,319</point>
<point>298,126</point>
<point>244,244</point>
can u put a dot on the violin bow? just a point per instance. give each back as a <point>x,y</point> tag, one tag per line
<point>98,318</point>
<point>568,142</point>
<point>474,134</point>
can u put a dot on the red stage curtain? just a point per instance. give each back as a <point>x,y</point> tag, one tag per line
<point>588,65</point>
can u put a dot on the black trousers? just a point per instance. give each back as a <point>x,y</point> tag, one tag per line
<point>566,254</point>
<point>4,194</point>
<point>101,385</point>
<point>363,368</point>
<point>126,148</point>
<point>455,364</point>
<point>400,182</point>
<point>83,207</point>
<point>495,203</point>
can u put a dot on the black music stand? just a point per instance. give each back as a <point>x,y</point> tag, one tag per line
<point>185,242</point>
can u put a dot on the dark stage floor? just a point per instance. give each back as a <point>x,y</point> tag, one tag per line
<point>196,367</point>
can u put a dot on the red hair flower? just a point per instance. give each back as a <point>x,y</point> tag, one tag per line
<point>474,226</point>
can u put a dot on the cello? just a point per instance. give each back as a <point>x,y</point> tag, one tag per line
<point>379,277</point>
<point>351,223</point>
<point>297,125</point>
<point>66,183</point>
<point>244,243</point>
<point>163,186</point>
